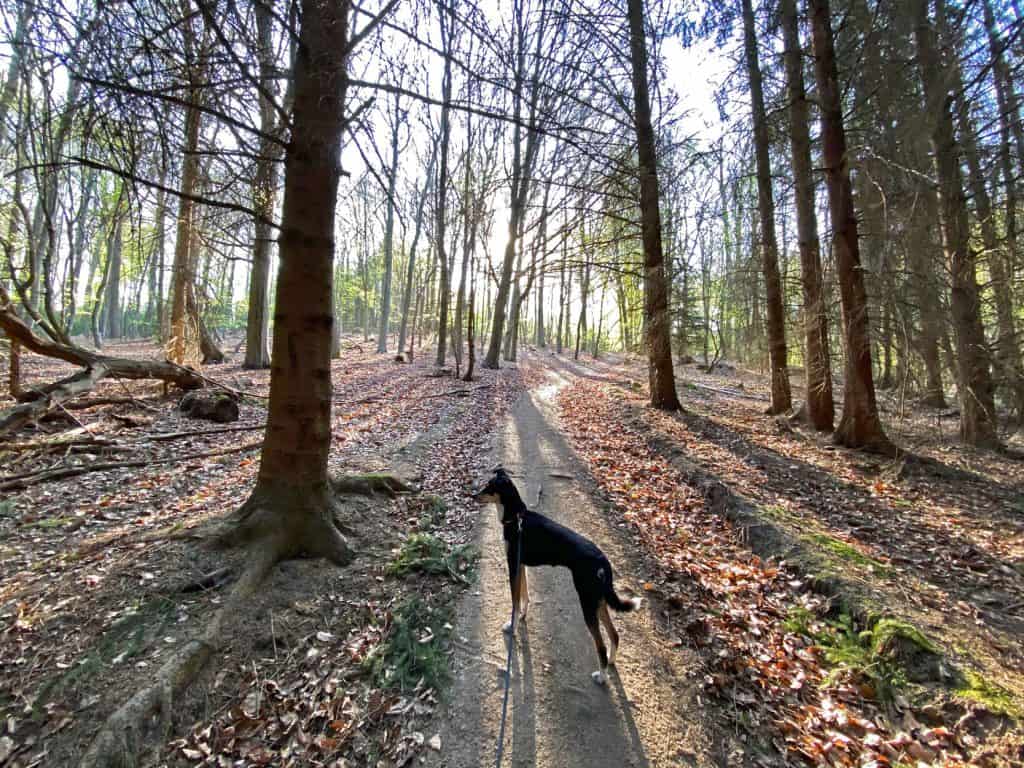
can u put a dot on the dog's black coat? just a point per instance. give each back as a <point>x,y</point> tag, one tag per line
<point>542,541</point>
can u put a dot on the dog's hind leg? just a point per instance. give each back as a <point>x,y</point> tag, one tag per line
<point>613,636</point>
<point>602,652</point>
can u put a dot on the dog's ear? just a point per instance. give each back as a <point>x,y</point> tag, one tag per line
<point>501,473</point>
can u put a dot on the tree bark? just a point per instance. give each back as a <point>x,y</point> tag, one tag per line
<point>184,328</point>
<point>860,426</point>
<point>777,353</point>
<point>817,366</point>
<point>977,406</point>
<point>290,508</point>
<point>658,333</point>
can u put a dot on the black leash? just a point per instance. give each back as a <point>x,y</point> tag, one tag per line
<point>511,647</point>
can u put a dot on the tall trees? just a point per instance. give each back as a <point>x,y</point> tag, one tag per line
<point>659,342</point>
<point>818,373</point>
<point>264,193</point>
<point>860,426</point>
<point>977,407</point>
<point>777,353</point>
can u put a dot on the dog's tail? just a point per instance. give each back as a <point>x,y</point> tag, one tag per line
<point>615,602</point>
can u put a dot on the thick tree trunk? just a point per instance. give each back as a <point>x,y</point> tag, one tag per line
<point>656,321</point>
<point>860,426</point>
<point>290,508</point>
<point>777,353</point>
<point>818,372</point>
<point>977,407</point>
<point>112,303</point>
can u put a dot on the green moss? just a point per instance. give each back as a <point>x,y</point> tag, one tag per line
<point>848,553</point>
<point>425,553</point>
<point>414,649</point>
<point>799,621</point>
<point>993,696</point>
<point>888,631</point>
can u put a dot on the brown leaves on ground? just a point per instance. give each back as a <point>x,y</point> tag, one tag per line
<point>769,677</point>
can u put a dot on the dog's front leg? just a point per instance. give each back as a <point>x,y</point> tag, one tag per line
<point>516,581</point>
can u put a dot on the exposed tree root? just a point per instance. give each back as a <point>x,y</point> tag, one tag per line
<point>149,711</point>
<point>273,525</point>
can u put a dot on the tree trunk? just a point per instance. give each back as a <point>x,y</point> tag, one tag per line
<point>1007,353</point>
<point>184,328</point>
<point>656,321</point>
<point>389,237</point>
<point>290,509</point>
<point>860,426</point>
<point>977,407</point>
<point>112,304</point>
<point>264,194</point>
<point>447,32</point>
<point>777,353</point>
<point>817,366</point>
<point>411,268</point>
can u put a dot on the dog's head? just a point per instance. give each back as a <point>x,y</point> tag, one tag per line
<point>495,489</point>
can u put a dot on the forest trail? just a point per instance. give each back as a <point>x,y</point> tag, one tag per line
<point>649,714</point>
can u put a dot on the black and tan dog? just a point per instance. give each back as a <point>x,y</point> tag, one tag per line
<point>545,542</point>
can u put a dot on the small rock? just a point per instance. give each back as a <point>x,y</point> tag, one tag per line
<point>435,742</point>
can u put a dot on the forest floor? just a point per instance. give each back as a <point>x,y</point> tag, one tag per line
<point>736,658</point>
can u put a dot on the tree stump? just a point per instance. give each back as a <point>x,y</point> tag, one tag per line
<point>220,407</point>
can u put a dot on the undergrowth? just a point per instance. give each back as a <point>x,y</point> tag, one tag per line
<point>414,649</point>
<point>426,553</point>
<point>888,655</point>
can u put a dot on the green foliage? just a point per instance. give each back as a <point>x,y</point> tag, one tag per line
<point>414,649</point>
<point>888,655</point>
<point>425,553</point>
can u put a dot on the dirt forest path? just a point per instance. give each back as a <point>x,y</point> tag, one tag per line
<point>649,714</point>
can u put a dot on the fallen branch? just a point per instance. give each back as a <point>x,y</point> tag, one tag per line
<point>456,392</point>
<point>96,367</point>
<point>158,436</point>
<point>62,473</point>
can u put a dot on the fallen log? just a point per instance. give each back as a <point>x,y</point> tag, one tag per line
<point>96,367</point>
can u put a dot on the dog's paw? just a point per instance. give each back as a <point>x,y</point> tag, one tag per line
<point>507,629</point>
<point>599,677</point>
